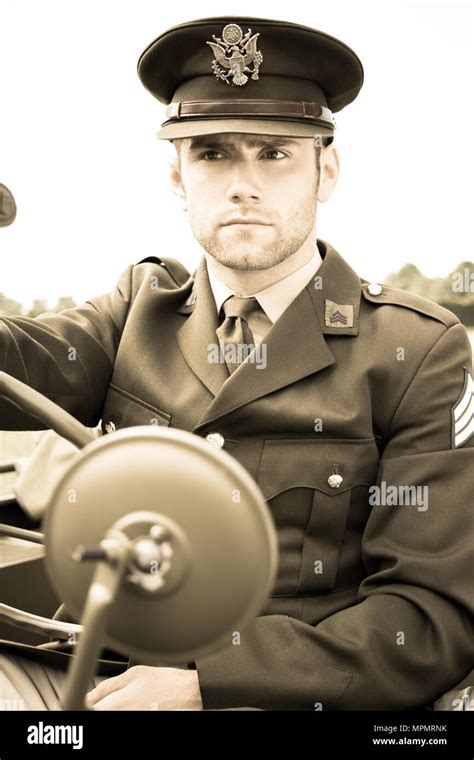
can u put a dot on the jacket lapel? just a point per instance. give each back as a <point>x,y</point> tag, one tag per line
<point>295,344</point>
<point>199,332</point>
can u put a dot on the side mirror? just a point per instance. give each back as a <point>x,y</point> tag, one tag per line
<point>7,207</point>
<point>161,545</point>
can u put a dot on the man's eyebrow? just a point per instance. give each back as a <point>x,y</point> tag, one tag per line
<point>208,141</point>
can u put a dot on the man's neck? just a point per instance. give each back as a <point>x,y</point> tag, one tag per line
<point>246,282</point>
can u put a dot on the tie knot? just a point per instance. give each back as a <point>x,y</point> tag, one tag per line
<point>235,306</point>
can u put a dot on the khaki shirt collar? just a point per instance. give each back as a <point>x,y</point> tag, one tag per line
<point>276,298</point>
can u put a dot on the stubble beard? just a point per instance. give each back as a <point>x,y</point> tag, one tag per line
<point>245,252</point>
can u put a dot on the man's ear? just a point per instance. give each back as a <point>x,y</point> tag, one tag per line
<point>176,182</point>
<point>329,172</point>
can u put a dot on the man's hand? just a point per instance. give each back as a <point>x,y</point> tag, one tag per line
<point>148,688</point>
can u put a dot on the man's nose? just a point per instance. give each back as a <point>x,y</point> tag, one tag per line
<point>244,182</point>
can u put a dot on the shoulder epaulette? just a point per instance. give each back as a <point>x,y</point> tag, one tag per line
<point>175,268</point>
<point>384,294</point>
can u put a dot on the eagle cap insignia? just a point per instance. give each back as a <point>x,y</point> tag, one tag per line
<point>234,53</point>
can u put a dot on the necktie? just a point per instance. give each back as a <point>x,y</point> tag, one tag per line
<point>234,333</point>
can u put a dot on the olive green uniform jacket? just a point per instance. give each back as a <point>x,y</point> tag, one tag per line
<point>372,606</point>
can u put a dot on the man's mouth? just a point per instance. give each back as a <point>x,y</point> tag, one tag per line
<point>246,221</point>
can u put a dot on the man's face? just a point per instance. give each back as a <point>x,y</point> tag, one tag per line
<point>251,199</point>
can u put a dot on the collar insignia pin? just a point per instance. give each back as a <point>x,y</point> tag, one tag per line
<point>338,315</point>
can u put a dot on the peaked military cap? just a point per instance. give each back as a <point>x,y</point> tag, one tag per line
<point>252,75</point>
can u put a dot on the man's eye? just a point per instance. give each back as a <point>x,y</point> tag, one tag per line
<point>273,151</point>
<point>209,155</point>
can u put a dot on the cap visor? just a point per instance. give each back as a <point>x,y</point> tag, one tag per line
<point>196,127</point>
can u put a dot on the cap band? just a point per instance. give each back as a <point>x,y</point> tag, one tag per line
<point>294,109</point>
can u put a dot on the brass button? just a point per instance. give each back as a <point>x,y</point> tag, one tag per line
<point>215,439</point>
<point>374,289</point>
<point>334,481</point>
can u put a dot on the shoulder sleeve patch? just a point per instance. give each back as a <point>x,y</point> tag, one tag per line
<point>462,414</point>
<point>399,297</point>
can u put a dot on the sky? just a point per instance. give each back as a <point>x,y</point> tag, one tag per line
<point>79,152</point>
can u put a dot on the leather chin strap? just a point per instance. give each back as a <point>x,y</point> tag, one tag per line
<point>237,108</point>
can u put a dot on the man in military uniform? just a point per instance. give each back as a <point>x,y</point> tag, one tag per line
<point>351,405</point>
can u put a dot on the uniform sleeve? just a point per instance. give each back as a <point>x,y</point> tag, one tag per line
<point>410,636</point>
<point>68,356</point>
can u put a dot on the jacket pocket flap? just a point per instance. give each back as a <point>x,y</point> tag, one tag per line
<point>122,410</point>
<point>302,462</point>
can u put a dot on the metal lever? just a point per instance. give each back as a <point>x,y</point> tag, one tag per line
<point>23,533</point>
<point>36,623</point>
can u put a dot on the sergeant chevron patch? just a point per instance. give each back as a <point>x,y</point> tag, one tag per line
<point>462,414</point>
<point>338,314</point>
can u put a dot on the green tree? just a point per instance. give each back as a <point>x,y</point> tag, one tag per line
<point>64,302</point>
<point>39,306</point>
<point>9,307</point>
<point>440,289</point>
